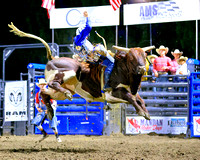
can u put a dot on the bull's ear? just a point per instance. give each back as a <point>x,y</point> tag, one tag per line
<point>120,55</point>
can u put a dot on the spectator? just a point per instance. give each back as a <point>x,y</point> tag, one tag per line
<point>182,70</point>
<point>162,65</point>
<point>182,67</point>
<point>151,59</point>
<point>174,63</point>
<point>42,112</point>
<point>147,68</point>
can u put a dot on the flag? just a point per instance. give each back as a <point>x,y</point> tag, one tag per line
<point>115,4</point>
<point>49,5</point>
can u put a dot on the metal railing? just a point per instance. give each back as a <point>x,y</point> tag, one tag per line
<point>163,98</point>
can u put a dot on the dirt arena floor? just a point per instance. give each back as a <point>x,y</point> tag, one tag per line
<point>114,147</point>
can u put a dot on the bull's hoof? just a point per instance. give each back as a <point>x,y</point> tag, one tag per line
<point>147,116</point>
<point>107,108</point>
<point>141,113</point>
<point>68,95</point>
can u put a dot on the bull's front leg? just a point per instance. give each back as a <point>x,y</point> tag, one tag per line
<point>126,95</point>
<point>142,104</point>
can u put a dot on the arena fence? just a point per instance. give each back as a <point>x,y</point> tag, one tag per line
<point>1,105</point>
<point>78,117</point>
<point>164,101</point>
<point>167,103</point>
<point>194,106</point>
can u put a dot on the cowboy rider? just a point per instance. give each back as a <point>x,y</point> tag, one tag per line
<point>81,40</point>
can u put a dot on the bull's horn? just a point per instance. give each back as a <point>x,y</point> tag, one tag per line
<point>121,48</point>
<point>148,48</point>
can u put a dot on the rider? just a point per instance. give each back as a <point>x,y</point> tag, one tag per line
<point>82,33</point>
<point>42,112</point>
<point>81,41</point>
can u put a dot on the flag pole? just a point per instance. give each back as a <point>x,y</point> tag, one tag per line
<point>150,31</point>
<point>196,38</point>
<point>126,36</point>
<point>53,42</point>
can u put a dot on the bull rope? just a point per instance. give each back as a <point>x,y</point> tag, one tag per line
<point>19,33</point>
<point>102,83</point>
<point>104,42</point>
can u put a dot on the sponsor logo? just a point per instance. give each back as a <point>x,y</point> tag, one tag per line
<point>15,96</point>
<point>160,10</point>
<point>139,125</point>
<point>197,120</point>
<point>133,125</point>
<point>177,122</point>
<point>73,17</point>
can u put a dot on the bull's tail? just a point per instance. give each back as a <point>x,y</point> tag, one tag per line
<point>16,31</point>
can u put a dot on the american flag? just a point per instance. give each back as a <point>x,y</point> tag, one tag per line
<point>115,4</point>
<point>49,5</point>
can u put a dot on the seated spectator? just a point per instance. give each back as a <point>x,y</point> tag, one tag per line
<point>162,65</point>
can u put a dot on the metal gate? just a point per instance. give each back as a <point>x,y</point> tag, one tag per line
<point>194,106</point>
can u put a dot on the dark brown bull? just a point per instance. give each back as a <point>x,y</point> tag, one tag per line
<point>69,76</point>
<point>66,76</point>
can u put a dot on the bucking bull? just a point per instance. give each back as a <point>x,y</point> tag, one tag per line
<point>67,76</point>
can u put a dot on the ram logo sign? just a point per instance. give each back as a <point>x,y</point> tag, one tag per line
<point>15,107</point>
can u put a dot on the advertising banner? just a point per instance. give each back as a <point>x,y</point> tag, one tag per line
<point>196,125</point>
<point>159,125</point>
<point>73,17</point>
<point>163,11</point>
<point>15,108</point>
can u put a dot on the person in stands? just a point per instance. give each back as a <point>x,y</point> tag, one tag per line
<point>151,59</point>
<point>174,63</point>
<point>42,112</point>
<point>161,66</point>
<point>152,79</point>
<point>182,70</point>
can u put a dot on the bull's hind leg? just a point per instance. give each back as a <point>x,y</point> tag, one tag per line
<point>56,86</point>
<point>60,78</point>
<point>46,99</point>
<point>125,95</point>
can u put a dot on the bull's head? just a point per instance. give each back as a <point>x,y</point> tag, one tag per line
<point>136,58</point>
